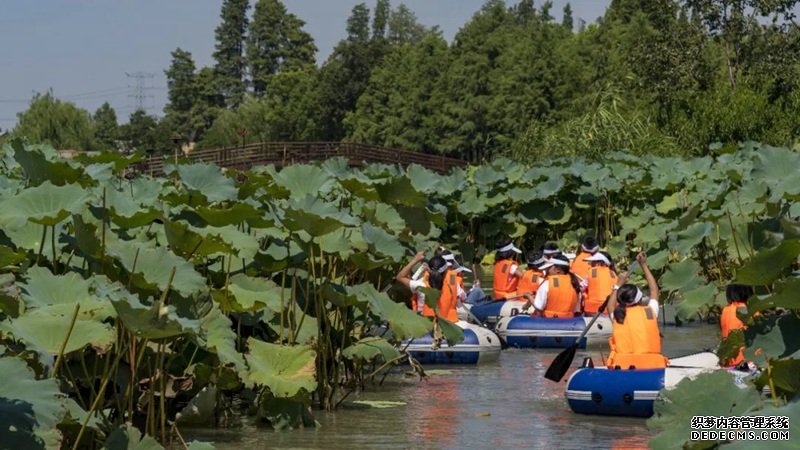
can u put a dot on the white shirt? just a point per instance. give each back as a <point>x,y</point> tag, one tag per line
<point>540,301</point>
<point>652,303</point>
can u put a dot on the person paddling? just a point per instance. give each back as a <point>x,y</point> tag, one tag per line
<point>635,341</point>
<point>600,281</point>
<point>506,271</point>
<point>559,295</point>
<point>533,277</point>
<point>580,265</point>
<point>439,277</point>
<point>737,295</point>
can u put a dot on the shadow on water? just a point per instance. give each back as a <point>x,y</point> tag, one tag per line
<point>507,404</point>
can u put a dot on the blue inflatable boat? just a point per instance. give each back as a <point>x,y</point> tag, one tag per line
<point>524,331</point>
<point>491,312</point>
<point>479,346</point>
<point>606,392</point>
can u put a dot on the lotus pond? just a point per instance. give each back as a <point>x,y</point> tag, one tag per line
<point>136,307</point>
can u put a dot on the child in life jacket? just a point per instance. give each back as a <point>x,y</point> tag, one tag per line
<point>580,265</point>
<point>506,271</point>
<point>549,250</point>
<point>737,295</point>
<point>533,277</point>
<point>600,281</point>
<point>441,277</point>
<point>559,295</point>
<point>635,341</point>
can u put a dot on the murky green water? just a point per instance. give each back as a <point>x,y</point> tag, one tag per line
<point>507,404</point>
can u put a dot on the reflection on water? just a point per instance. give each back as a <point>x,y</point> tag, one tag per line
<point>507,404</point>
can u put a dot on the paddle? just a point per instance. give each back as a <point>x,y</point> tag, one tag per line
<point>558,368</point>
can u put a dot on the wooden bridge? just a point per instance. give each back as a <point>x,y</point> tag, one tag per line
<point>286,153</point>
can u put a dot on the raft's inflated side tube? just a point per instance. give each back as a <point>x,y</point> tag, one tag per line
<point>490,313</point>
<point>524,331</point>
<point>614,392</point>
<point>479,346</point>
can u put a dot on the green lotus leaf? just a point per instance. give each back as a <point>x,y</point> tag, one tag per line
<point>153,267</point>
<point>29,237</point>
<point>128,437</point>
<point>217,335</point>
<point>100,173</point>
<point>186,242</point>
<point>360,188</point>
<point>682,276</point>
<point>487,176</point>
<point>451,332</point>
<point>42,288</point>
<point>242,244</point>
<point>471,204</point>
<point>772,338</point>
<point>708,394</point>
<point>339,296</point>
<point>512,170</point>
<point>388,216</point>
<point>399,191</point>
<point>783,373</point>
<point>419,220</point>
<point>778,165</point>
<point>252,294</point>
<point>337,167</point>
<point>452,183</point>
<point>284,370</point>
<point>656,261</point>
<point>127,211</point>
<point>30,409</point>
<point>315,217</point>
<point>692,236</point>
<point>45,204</point>
<point>785,296</point>
<point>557,215</point>
<point>404,323</point>
<point>695,300</point>
<point>371,348</point>
<point>382,243</point>
<point>234,215</point>
<point>119,161</point>
<point>794,210</point>
<point>301,180</point>
<point>201,409</point>
<point>671,203</point>
<point>366,262</point>
<point>151,322</point>
<point>9,257</point>
<point>549,188</point>
<point>208,180</point>
<point>767,265</point>
<point>729,347</point>
<point>287,413</point>
<point>790,410</point>
<point>38,169</point>
<point>522,194</point>
<point>423,179</point>
<point>44,332</point>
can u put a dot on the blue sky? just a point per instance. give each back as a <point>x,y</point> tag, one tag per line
<point>83,48</point>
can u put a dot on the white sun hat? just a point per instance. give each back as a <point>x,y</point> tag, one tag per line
<point>509,247</point>
<point>598,257</point>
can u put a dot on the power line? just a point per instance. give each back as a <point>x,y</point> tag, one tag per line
<point>140,94</point>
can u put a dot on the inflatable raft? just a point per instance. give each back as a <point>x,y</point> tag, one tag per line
<point>479,346</point>
<point>489,313</point>
<point>524,331</point>
<point>600,391</point>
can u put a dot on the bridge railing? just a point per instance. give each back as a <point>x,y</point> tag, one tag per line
<point>285,153</point>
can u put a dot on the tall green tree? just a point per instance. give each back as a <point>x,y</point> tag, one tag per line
<point>106,127</point>
<point>182,95</point>
<point>566,19</point>
<point>383,9</point>
<point>403,27</point>
<point>63,125</point>
<point>229,51</point>
<point>146,135</point>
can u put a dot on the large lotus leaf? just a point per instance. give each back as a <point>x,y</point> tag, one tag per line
<point>471,203</point>
<point>287,413</point>
<point>216,332</point>
<point>388,216</point>
<point>360,188</point>
<point>400,191</point>
<point>29,237</point>
<point>126,210</point>
<point>791,410</point>
<point>42,288</point>
<point>419,220</point>
<point>186,242</point>
<point>366,262</point>
<point>234,215</point>
<point>101,173</point>
<point>45,204</point>
<point>146,321</point>
<point>767,265</point>
<point>252,294</point>
<point>549,188</point>
<point>338,242</point>
<point>512,170</point>
<point>785,296</point>
<point>453,182</point>
<point>243,245</point>
<point>688,238</point>
<point>696,299</point>
<point>671,203</point>
<point>405,324</point>
<point>338,295</point>
<point>201,409</point>
<point>371,348</point>
<point>208,180</point>
<point>45,332</point>
<point>778,165</point>
<point>315,216</point>
<point>128,437</point>
<point>8,257</point>
<point>451,332</point>
<point>522,194</point>
<point>38,169</point>
<point>382,243</point>
<point>304,179</point>
<point>773,337</point>
<point>784,376</point>
<point>682,276</point>
<point>30,409</point>
<point>117,160</point>
<point>153,267</point>
<point>422,179</point>
<point>486,176</point>
<point>557,215</point>
<point>285,370</point>
<point>708,394</point>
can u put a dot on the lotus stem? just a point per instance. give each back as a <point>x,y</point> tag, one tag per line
<point>103,236</point>
<point>53,248</point>
<point>41,243</point>
<point>163,398</point>
<point>60,357</point>
<point>133,268</point>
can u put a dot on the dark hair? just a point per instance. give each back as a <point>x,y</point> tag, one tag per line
<point>589,242</point>
<point>738,292</point>
<point>625,296</point>
<point>607,255</point>
<point>436,278</point>
<point>498,255</point>
<point>576,283</point>
<point>440,251</point>
<point>533,255</point>
<point>550,246</point>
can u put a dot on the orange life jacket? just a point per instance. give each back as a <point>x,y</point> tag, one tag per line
<point>447,299</point>
<point>561,297</point>
<point>505,282</point>
<point>530,281</point>
<point>601,283</point>
<point>635,343</point>
<point>729,322</point>
<point>580,267</point>
<point>415,306</point>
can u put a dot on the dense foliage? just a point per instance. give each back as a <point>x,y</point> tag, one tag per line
<point>157,300</point>
<point>663,77</point>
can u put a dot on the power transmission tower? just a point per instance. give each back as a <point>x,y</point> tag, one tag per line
<point>140,89</point>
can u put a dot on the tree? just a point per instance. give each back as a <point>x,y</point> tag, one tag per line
<point>229,51</point>
<point>404,28</point>
<point>49,120</point>
<point>182,95</point>
<point>380,19</point>
<point>106,127</point>
<point>145,134</point>
<point>566,20</point>
<point>358,24</point>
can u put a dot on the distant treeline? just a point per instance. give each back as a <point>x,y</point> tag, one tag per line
<point>650,76</point>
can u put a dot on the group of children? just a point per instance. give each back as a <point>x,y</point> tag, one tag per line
<point>556,284</point>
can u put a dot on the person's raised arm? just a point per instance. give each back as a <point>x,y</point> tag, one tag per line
<point>612,299</point>
<point>404,276</point>
<point>651,280</point>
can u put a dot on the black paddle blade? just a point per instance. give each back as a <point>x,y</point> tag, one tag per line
<point>561,364</point>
